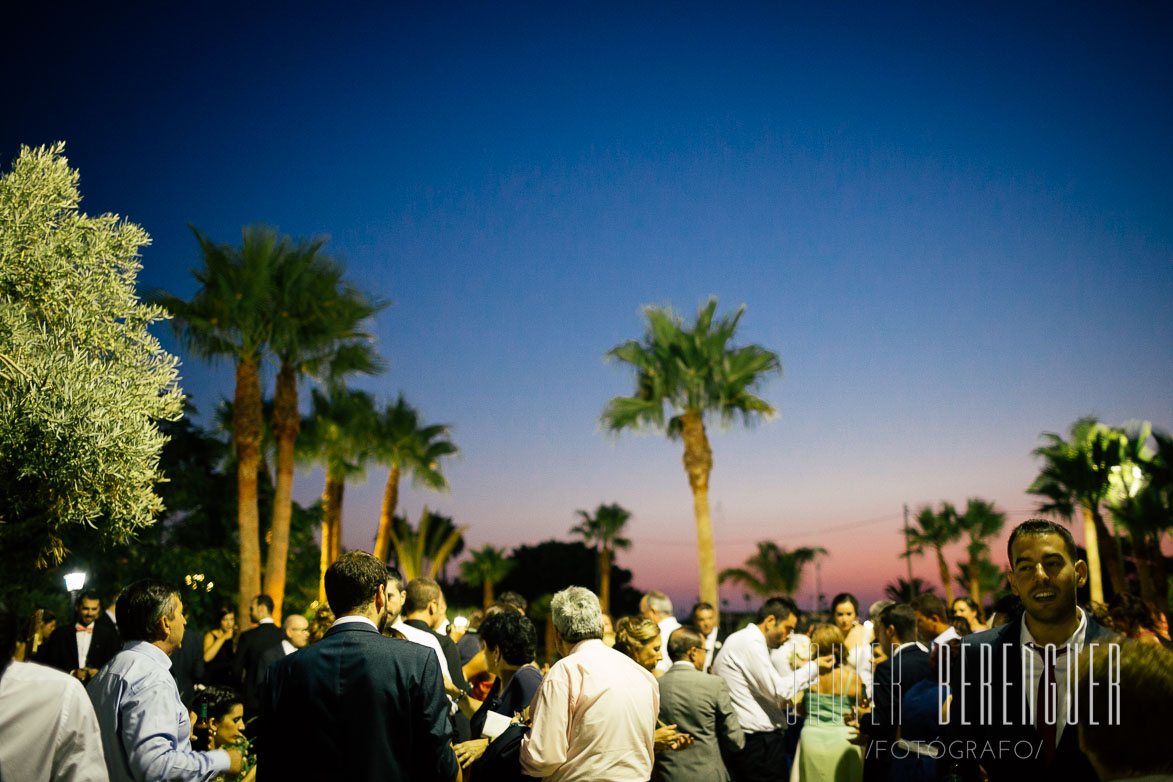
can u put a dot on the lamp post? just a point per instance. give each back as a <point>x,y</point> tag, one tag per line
<point>75,581</point>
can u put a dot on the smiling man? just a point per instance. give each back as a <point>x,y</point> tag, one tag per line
<point>997,704</point>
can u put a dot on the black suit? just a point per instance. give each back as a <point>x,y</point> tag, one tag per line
<point>187,665</point>
<point>60,650</point>
<point>373,708</point>
<point>246,666</point>
<point>890,682</point>
<point>1069,762</point>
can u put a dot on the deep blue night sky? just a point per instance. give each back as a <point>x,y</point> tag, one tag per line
<point>953,223</point>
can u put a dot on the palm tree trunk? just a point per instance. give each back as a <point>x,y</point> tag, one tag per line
<point>331,515</point>
<point>246,431</point>
<point>286,423</point>
<point>605,579</point>
<point>698,464</point>
<point>1114,564</point>
<point>945,577</point>
<point>390,500</point>
<point>1092,546</point>
<point>487,593</point>
<point>975,588</point>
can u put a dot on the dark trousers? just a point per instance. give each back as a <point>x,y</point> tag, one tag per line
<point>763,759</point>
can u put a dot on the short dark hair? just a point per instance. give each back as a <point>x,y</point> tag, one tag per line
<point>929,604</point>
<point>353,581</point>
<point>1041,527</point>
<point>513,599</point>
<point>266,601</point>
<point>779,607</point>
<point>844,597</point>
<point>219,700</point>
<point>393,575</point>
<point>141,607</point>
<point>223,611</point>
<point>901,618</point>
<point>683,640</point>
<point>8,633</point>
<point>89,594</point>
<point>420,592</point>
<point>701,606</point>
<point>513,634</point>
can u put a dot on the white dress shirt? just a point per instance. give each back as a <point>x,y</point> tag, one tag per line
<point>1033,667</point>
<point>48,730</point>
<point>710,647</point>
<point>758,692</point>
<point>84,639</point>
<point>948,635</point>
<point>594,718</point>
<point>667,626</point>
<point>424,638</point>
<point>288,647</point>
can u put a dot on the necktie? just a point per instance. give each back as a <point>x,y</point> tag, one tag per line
<point>85,629</point>
<point>1047,688</point>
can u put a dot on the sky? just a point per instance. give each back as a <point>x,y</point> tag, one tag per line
<point>951,221</point>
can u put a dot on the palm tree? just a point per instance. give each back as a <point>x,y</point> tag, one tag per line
<point>337,433</point>
<point>1144,507</point>
<point>695,373</point>
<point>935,531</point>
<point>230,316</point>
<point>1077,474</point>
<point>406,444</point>
<point>604,531</point>
<point>906,591</point>
<point>773,570</point>
<point>487,567</point>
<point>424,550</point>
<point>317,331</point>
<point>991,581</point>
<point>980,522</point>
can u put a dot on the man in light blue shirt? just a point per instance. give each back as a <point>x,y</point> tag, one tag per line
<point>146,732</point>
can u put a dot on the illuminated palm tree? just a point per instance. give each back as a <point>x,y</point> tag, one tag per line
<point>773,570</point>
<point>935,531</point>
<point>487,567</point>
<point>422,551</point>
<point>604,531</point>
<point>684,376</point>
<point>407,445</point>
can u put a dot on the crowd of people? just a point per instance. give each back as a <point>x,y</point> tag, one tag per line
<point>378,685</point>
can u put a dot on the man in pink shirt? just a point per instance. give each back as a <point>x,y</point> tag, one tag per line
<point>594,716</point>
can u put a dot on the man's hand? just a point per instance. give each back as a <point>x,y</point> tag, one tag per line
<point>453,691</point>
<point>468,752</point>
<point>826,662</point>
<point>851,720</point>
<point>666,737</point>
<point>235,760</point>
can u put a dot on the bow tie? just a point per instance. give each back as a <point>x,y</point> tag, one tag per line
<point>85,629</point>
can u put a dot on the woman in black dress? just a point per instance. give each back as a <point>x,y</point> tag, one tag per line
<point>218,649</point>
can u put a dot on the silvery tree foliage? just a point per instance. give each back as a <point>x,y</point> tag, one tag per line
<point>82,381</point>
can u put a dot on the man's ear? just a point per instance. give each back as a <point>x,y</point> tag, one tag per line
<point>380,598</point>
<point>1080,572</point>
<point>1014,587</point>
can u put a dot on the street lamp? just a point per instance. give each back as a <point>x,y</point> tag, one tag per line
<point>75,581</point>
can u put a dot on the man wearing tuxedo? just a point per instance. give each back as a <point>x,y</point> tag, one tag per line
<point>82,648</point>
<point>375,706</point>
<point>246,665</point>
<point>1021,697</point>
<point>704,619</point>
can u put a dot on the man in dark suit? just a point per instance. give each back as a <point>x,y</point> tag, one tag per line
<point>698,705</point>
<point>703,619</point>
<point>907,665</point>
<point>81,649</point>
<point>246,665</point>
<point>425,609</point>
<point>374,706</point>
<point>999,707</point>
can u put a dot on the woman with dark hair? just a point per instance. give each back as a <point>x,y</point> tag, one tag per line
<point>510,643</point>
<point>845,614</point>
<point>226,714</point>
<point>218,648</point>
<point>965,608</point>
<point>1133,618</point>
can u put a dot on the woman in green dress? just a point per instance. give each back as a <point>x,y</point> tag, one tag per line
<point>824,751</point>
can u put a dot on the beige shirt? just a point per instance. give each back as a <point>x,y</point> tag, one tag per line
<point>594,718</point>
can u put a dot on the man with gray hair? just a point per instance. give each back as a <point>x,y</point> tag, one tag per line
<point>657,606</point>
<point>594,716</point>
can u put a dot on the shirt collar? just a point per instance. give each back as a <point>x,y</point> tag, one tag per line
<point>904,646</point>
<point>682,664</point>
<point>343,620</point>
<point>1075,639</point>
<point>268,620</point>
<point>148,649</point>
<point>582,645</point>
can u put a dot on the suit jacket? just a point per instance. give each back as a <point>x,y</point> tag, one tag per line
<point>60,650</point>
<point>372,708</point>
<point>698,704</point>
<point>246,665</point>
<point>187,665</point>
<point>1069,762</point>
<point>890,682</point>
<point>268,657</point>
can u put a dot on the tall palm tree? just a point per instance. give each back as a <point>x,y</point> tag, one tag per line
<point>318,330</point>
<point>773,570</point>
<point>903,591</point>
<point>935,531</point>
<point>604,531</point>
<point>230,316</point>
<point>683,376</point>
<point>980,522</point>
<point>487,567</point>
<point>336,434</point>
<point>992,580</point>
<point>422,551</point>
<point>1144,507</point>
<point>407,445</point>
<point>1077,474</point>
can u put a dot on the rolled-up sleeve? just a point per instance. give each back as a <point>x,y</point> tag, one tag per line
<point>545,749</point>
<point>153,748</point>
